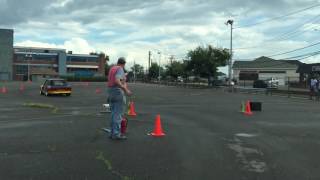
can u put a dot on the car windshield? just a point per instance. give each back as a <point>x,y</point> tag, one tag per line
<point>58,83</point>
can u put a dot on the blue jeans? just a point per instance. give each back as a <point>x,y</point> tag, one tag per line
<point>116,100</point>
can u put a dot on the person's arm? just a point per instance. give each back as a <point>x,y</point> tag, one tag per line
<point>123,86</point>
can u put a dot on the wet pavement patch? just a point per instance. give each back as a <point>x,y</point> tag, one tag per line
<point>250,158</point>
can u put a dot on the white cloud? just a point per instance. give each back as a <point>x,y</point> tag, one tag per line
<point>132,28</point>
<point>30,43</point>
<point>60,3</point>
<point>79,45</point>
<point>108,33</point>
<point>314,59</point>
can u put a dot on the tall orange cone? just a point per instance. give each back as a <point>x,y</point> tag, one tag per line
<point>157,132</point>
<point>132,111</point>
<point>248,109</point>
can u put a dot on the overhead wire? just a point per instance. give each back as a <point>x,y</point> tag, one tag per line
<point>285,36</point>
<point>287,52</point>
<point>279,17</point>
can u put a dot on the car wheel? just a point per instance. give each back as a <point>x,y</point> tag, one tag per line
<point>69,94</point>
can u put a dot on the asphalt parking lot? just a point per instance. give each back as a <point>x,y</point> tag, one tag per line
<point>206,136</point>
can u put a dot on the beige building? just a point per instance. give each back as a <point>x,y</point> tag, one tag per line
<point>264,68</point>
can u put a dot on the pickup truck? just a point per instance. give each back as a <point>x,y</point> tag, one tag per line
<point>273,82</point>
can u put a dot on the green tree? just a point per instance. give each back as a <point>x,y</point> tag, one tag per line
<point>154,71</point>
<point>204,61</point>
<point>107,68</point>
<point>138,70</point>
<point>175,69</point>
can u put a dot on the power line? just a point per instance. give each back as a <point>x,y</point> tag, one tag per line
<point>297,58</point>
<point>303,55</point>
<point>287,52</point>
<point>287,34</point>
<point>308,56</point>
<point>297,32</point>
<point>279,17</point>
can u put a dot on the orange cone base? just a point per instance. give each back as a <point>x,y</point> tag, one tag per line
<point>132,114</point>
<point>157,134</point>
<point>248,113</point>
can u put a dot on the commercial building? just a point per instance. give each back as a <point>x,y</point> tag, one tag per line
<point>309,71</point>
<point>30,63</point>
<point>6,54</point>
<point>265,68</point>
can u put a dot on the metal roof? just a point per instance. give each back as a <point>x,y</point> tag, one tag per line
<point>266,63</point>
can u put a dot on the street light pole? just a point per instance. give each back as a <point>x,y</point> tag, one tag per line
<point>134,71</point>
<point>230,60</point>
<point>149,62</point>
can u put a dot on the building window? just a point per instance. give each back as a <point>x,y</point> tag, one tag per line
<point>71,70</point>
<point>48,58</point>
<point>21,69</point>
<point>82,59</point>
<point>36,57</point>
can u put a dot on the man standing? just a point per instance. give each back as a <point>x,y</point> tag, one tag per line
<point>117,91</point>
<point>313,87</point>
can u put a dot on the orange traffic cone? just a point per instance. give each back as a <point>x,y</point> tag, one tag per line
<point>157,132</point>
<point>98,91</point>
<point>132,111</point>
<point>4,90</point>
<point>248,109</point>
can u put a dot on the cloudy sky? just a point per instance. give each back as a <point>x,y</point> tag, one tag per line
<point>132,28</point>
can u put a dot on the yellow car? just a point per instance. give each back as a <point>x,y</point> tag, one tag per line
<point>55,87</point>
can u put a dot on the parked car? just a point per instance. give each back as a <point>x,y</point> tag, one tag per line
<point>55,87</point>
<point>179,79</point>
<point>260,84</point>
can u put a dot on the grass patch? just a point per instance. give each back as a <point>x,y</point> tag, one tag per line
<point>105,161</point>
<point>53,108</point>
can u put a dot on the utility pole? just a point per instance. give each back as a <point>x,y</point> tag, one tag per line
<point>28,56</point>
<point>230,60</point>
<point>159,77</point>
<point>149,63</point>
<point>134,71</point>
<point>171,59</point>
